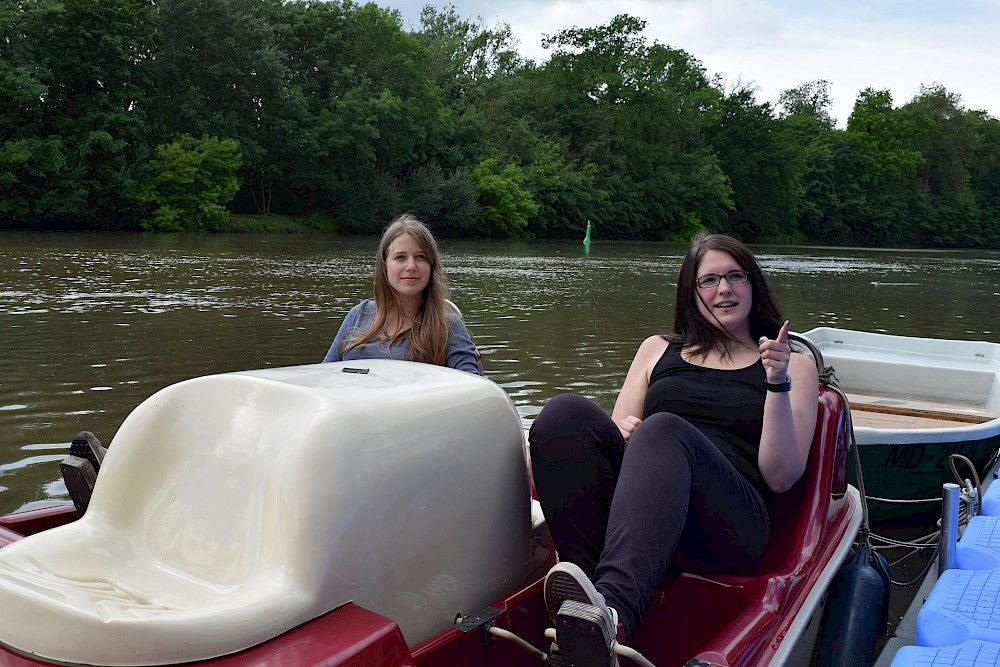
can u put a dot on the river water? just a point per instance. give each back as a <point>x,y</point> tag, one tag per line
<point>91,324</point>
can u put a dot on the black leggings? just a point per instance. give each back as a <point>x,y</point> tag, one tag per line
<point>626,515</point>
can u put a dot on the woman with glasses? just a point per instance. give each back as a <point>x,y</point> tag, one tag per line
<point>410,318</point>
<point>712,419</point>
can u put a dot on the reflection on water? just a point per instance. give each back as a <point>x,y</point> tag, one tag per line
<point>92,324</point>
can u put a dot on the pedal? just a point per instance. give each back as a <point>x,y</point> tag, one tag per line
<point>86,446</point>
<point>80,477</point>
<point>583,636</point>
<point>555,658</point>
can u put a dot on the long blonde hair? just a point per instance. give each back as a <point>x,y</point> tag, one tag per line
<point>429,332</point>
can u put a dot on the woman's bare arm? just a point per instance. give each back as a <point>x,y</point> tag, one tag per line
<point>628,407</point>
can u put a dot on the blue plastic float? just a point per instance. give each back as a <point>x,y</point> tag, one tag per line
<point>970,653</point>
<point>959,624</point>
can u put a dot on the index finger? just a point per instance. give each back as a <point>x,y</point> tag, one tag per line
<point>783,333</point>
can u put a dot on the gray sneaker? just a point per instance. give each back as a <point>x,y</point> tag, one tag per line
<point>586,627</point>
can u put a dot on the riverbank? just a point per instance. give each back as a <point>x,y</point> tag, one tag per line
<point>272,223</point>
<point>317,222</point>
<point>237,223</point>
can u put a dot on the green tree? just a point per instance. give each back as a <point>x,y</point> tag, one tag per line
<point>27,157</point>
<point>632,110</point>
<point>760,166</point>
<point>566,192</point>
<point>476,69</point>
<point>984,175</point>
<point>505,205</point>
<point>944,208</point>
<point>373,113</point>
<point>73,136</point>
<point>810,100</point>
<point>446,201</point>
<point>815,156</point>
<point>190,183</point>
<point>885,173</point>
<point>463,54</point>
<point>222,71</point>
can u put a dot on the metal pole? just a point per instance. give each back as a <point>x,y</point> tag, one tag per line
<point>950,496</point>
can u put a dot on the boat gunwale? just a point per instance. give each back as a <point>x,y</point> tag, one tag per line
<point>887,347</point>
<point>811,603</point>
<point>866,435</point>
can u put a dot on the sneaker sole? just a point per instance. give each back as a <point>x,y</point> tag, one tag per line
<point>567,581</point>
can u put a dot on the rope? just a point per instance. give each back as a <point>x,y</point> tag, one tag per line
<point>828,378</point>
<point>930,541</point>
<point>510,636</point>
<point>922,542</point>
<point>618,649</point>
<point>901,501</point>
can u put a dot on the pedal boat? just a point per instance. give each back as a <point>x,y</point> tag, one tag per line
<point>377,514</point>
<point>914,402</point>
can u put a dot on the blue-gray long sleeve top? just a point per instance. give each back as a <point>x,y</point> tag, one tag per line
<point>462,352</point>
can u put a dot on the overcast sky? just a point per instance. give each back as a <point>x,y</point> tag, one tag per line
<point>779,44</point>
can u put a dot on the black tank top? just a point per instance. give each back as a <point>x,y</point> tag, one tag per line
<point>726,405</point>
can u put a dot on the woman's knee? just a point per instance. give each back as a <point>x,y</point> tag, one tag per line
<point>564,416</point>
<point>664,429</point>
<point>664,434</point>
<point>663,422</point>
<point>573,428</point>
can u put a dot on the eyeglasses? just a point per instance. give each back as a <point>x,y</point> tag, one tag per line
<point>734,277</point>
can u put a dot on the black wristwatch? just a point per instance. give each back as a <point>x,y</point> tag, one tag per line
<point>779,387</point>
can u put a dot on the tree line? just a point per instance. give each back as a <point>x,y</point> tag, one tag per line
<point>170,114</point>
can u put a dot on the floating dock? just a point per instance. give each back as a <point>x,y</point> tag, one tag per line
<point>958,622</point>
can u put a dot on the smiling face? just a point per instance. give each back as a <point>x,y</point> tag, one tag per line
<point>407,268</point>
<point>725,306</point>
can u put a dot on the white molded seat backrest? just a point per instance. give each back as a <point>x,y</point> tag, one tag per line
<point>234,507</point>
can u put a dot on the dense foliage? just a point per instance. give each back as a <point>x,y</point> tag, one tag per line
<point>190,182</point>
<point>332,108</point>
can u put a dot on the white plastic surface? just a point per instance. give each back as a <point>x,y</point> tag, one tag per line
<point>950,371</point>
<point>234,507</point>
<point>953,371</point>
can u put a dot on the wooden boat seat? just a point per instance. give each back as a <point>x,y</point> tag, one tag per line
<point>753,603</point>
<point>233,508</point>
<point>897,412</point>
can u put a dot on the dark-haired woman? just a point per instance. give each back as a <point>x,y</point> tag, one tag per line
<point>410,318</point>
<point>712,419</point>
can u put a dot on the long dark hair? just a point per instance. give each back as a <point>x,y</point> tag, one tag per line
<point>691,328</point>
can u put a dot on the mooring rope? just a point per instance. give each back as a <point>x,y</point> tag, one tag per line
<point>828,378</point>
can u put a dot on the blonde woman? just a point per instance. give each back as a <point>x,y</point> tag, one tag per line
<point>410,318</point>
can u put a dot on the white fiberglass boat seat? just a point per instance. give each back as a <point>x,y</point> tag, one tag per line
<point>232,508</point>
